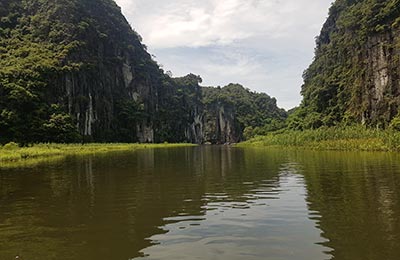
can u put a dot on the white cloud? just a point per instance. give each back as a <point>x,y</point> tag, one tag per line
<point>265,44</point>
<point>189,23</point>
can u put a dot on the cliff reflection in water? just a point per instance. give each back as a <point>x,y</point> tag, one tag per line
<point>209,202</point>
<point>357,197</point>
<point>114,206</point>
<point>255,208</point>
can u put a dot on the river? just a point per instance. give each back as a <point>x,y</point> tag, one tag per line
<point>207,202</point>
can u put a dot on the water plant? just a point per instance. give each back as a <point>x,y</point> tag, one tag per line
<point>354,138</point>
<point>11,152</point>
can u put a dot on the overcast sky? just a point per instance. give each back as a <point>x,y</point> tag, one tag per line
<point>264,45</point>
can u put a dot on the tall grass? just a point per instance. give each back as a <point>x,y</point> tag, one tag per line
<point>12,152</point>
<point>334,138</point>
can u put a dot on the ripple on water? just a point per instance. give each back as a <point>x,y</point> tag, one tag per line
<point>255,224</point>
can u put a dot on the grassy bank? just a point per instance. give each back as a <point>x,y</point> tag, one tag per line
<point>355,138</point>
<point>13,153</point>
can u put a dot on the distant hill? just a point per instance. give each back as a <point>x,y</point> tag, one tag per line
<point>233,108</point>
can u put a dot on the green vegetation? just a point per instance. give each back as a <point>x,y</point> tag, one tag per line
<point>251,108</point>
<point>180,102</point>
<point>247,113</point>
<point>12,152</point>
<point>350,138</point>
<point>354,76</point>
<point>40,43</point>
<point>74,71</point>
<point>351,98</point>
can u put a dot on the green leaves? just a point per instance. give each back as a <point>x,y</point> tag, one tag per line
<point>60,129</point>
<point>256,113</point>
<point>395,123</point>
<point>341,84</point>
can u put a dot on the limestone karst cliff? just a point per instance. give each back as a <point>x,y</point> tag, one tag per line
<point>233,108</point>
<point>355,75</point>
<point>75,70</point>
<point>78,62</point>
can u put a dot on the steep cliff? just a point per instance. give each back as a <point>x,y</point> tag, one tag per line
<point>180,116</point>
<point>221,124</point>
<point>74,70</point>
<point>77,64</point>
<point>229,110</point>
<point>355,74</point>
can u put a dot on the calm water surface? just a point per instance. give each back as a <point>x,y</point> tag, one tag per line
<point>204,203</point>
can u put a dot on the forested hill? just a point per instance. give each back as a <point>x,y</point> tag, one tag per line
<point>234,111</point>
<point>355,75</point>
<point>74,70</point>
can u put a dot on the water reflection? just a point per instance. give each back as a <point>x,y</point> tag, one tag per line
<point>203,203</point>
<point>269,220</point>
<point>357,196</point>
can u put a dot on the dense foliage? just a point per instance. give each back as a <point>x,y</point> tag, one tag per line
<point>355,73</point>
<point>254,113</point>
<point>75,71</point>
<point>39,42</point>
<point>348,138</point>
<point>180,104</point>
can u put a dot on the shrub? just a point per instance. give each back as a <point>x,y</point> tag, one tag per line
<point>11,146</point>
<point>395,123</point>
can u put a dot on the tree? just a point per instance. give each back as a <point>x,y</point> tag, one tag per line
<point>60,129</point>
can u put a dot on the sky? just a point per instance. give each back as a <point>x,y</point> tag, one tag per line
<point>265,45</point>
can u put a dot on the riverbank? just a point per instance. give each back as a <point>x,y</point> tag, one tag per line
<point>13,153</point>
<point>355,138</point>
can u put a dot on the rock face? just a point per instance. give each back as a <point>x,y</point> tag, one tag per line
<point>229,110</point>
<point>356,71</point>
<point>221,125</point>
<point>194,132</point>
<point>382,99</point>
<point>117,94</point>
<point>87,62</point>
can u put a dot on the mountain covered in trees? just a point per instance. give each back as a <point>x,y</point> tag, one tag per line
<point>234,113</point>
<point>74,70</point>
<point>355,75</point>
